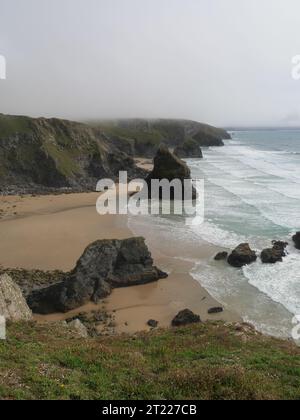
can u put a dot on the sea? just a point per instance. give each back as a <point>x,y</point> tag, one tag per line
<point>252,194</point>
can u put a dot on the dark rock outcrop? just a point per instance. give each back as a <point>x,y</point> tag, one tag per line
<point>221,256</point>
<point>271,256</point>
<point>189,149</point>
<point>152,323</point>
<point>170,167</point>
<point>213,311</point>
<point>104,265</point>
<point>296,239</point>
<point>208,140</point>
<point>275,254</point>
<point>185,317</point>
<point>281,246</point>
<point>242,255</point>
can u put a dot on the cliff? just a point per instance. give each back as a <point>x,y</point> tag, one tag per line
<point>42,155</point>
<point>39,155</point>
<point>142,137</point>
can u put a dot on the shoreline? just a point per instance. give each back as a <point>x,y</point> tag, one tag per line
<point>66,224</point>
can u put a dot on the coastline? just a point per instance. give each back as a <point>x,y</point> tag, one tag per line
<point>65,225</point>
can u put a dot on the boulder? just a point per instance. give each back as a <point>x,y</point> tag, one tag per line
<point>189,149</point>
<point>79,329</point>
<point>275,254</point>
<point>13,305</point>
<point>152,323</point>
<point>271,256</point>
<point>296,239</point>
<point>104,265</point>
<point>221,256</point>
<point>185,317</point>
<point>242,255</point>
<point>280,246</point>
<point>170,167</point>
<point>216,310</point>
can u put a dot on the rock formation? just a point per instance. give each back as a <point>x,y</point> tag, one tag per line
<point>104,265</point>
<point>207,140</point>
<point>169,167</point>
<point>79,329</point>
<point>152,323</point>
<point>242,255</point>
<point>189,149</point>
<point>296,239</point>
<point>221,256</point>
<point>213,311</point>
<point>275,254</point>
<point>185,317</point>
<point>13,305</point>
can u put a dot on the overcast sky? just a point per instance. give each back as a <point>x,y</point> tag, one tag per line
<point>224,62</point>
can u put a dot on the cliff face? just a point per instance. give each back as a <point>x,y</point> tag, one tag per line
<point>143,137</point>
<point>39,155</point>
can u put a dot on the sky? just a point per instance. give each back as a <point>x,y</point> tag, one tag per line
<point>224,62</point>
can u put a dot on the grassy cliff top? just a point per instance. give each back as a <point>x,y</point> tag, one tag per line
<point>206,361</point>
<point>161,130</point>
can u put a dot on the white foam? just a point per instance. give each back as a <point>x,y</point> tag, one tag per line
<point>281,281</point>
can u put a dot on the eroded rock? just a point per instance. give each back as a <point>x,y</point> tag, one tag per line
<point>185,317</point>
<point>242,255</point>
<point>79,329</point>
<point>189,149</point>
<point>221,256</point>
<point>170,167</point>
<point>13,305</point>
<point>217,310</point>
<point>104,265</point>
<point>152,323</point>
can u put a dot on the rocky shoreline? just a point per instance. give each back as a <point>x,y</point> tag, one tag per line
<point>243,255</point>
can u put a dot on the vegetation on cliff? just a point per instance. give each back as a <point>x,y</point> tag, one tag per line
<point>202,361</point>
<point>145,136</point>
<point>37,154</point>
<point>40,155</point>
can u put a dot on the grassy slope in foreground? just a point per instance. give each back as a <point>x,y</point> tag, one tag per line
<point>207,361</point>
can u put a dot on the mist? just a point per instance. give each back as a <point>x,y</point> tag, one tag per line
<point>221,62</point>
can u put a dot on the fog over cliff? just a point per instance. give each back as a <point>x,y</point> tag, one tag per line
<point>222,62</point>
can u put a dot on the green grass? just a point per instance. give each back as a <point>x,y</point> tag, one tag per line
<point>208,361</point>
<point>151,136</point>
<point>12,125</point>
<point>64,159</point>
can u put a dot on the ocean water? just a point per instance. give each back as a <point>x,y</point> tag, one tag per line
<point>252,194</point>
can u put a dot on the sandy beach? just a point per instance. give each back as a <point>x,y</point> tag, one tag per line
<point>51,232</point>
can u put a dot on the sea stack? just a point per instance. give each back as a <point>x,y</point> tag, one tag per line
<point>170,167</point>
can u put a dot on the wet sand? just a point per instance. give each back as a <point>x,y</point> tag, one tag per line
<point>51,232</point>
